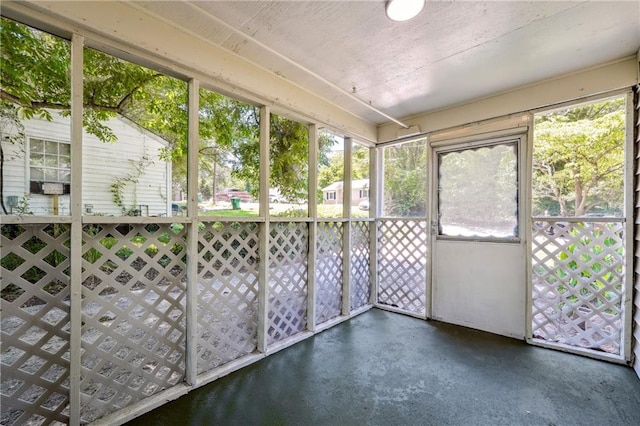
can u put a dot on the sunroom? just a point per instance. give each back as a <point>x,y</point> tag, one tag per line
<point>192,188</point>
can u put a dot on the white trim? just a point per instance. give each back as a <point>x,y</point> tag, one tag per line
<point>629,188</point>
<point>400,311</point>
<point>618,74</point>
<point>75,254</point>
<point>313,227</point>
<point>589,353</point>
<point>526,235</point>
<point>191,315</point>
<point>263,235</point>
<point>346,230</point>
<point>289,341</point>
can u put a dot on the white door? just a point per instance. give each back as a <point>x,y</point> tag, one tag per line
<point>478,253</point>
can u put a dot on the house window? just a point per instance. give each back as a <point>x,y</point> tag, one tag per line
<point>331,195</point>
<point>364,193</point>
<point>49,162</point>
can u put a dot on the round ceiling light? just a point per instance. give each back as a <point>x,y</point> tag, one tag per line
<point>403,10</point>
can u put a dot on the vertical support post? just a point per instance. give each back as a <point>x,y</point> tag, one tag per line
<point>376,171</point>
<point>313,227</point>
<point>346,231</point>
<point>527,227</point>
<point>75,314</point>
<point>191,363</point>
<point>263,236</point>
<point>629,187</point>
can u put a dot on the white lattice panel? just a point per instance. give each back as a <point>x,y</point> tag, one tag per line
<point>360,270</point>
<point>288,256</point>
<point>328,271</point>
<point>227,292</point>
<point>578,285</point>
<point>34,382</point>
<point>133,333</point>
<point>402,265</point>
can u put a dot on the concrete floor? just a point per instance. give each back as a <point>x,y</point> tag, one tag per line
<point>388,369</point>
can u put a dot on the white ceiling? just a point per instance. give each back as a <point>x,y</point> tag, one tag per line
<point>453,52</point>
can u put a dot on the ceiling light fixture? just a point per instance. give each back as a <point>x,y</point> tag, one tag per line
<point>403,10</point>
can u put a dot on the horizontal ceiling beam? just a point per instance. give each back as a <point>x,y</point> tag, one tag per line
<point>605,78</point>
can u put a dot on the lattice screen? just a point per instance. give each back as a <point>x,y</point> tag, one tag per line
<point>133,335</point>
<point>329,271</point>
<point>578,286</point>
<point>402,267</point>
<point>288,247</point>
<point>227,292</point>
<point>360,269</point>
<point>35,324</point>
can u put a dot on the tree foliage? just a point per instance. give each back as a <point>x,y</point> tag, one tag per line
<point>405,179</point>
<point>331,166</point>
<point>578,159</point>
<point>35,73</point>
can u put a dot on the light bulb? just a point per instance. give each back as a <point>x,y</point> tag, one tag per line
<point>403,10</point>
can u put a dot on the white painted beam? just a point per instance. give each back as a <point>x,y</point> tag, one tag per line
<point>263,235</point>
<point>313,227</point>
<point>346,230</point>
<point>75,314</point>
<point>191,364</point>
<point>605,78</point>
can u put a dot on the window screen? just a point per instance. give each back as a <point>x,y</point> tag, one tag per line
<point>478,192</point>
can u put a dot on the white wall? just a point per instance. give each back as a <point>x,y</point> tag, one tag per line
<point>103,163</point>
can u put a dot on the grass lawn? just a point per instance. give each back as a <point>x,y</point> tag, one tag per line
<point>229,213</point>
<point>281,210</point>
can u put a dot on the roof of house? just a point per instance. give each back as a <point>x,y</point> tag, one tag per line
<point>355,184</point>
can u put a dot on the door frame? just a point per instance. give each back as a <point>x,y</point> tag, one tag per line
<point>509,132</point>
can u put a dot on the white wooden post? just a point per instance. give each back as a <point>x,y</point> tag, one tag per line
<point>346,232</point>
<point>629,187</point>
<point>192,235</point>
<point>75,314</point>
<point>376,172</point>
<point>313,227</point>
<point>263,237</point>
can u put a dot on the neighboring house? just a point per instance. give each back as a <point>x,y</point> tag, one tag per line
<point>333,194</point>
<point>40,166</point>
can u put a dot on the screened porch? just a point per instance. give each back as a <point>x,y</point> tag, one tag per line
<point>186,224</point>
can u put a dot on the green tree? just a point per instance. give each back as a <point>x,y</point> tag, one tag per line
<point>35,72</point>
<point>578,159</point>
<point>405,179</point>
<point>331,167</point>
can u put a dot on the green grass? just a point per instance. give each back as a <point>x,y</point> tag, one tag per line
<point>229,213</point>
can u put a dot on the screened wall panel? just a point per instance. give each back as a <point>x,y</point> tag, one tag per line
<point>402,264</point>
<point>579,245</point>
<point>578,284</point>
<point>227,292</point>
<point>288,258</point>
<point>329,271</point>
<point>360,264</point>
<point>133,314</point>
<point>34,367</point>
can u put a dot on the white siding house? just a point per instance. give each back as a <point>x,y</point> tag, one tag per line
<point>44,157</point>
<point>333,194</point>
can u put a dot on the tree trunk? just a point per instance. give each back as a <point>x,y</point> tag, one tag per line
<point>580,197</point>
<point>214,183</point>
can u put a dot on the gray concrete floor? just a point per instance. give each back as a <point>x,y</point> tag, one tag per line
<point>388,369</point>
